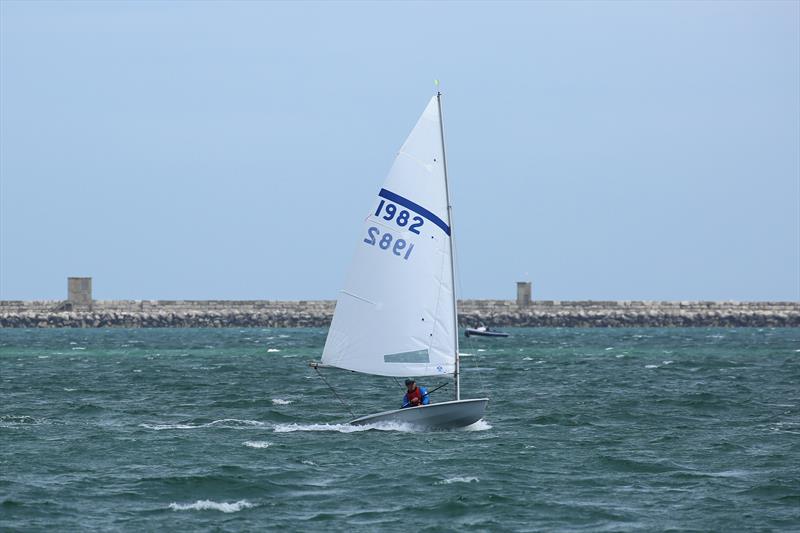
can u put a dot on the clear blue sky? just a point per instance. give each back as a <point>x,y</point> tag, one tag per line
<point>631,150</point>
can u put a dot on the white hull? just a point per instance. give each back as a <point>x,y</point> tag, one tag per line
<point>470,332</point>
<point>444,415</point>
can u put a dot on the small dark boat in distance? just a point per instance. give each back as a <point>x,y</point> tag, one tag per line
<point>483,332</point>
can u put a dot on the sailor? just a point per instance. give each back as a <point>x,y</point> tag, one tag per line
<point>415,395</point>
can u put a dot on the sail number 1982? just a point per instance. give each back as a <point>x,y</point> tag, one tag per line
<point>388,242</point>
<point>401,217</point>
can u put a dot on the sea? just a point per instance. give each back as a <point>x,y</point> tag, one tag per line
<point>231,430</point>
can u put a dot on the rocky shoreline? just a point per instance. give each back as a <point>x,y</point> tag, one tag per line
<point>494,313</point>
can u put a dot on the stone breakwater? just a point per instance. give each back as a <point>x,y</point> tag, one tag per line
<point>493,313</point>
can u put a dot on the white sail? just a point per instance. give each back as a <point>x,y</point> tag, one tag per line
<point>395,314</point>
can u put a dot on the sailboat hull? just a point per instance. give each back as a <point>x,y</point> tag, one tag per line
<point>470,332</point>
<point>444,415</point>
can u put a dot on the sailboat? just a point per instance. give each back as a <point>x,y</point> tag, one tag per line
<point>397,315</point>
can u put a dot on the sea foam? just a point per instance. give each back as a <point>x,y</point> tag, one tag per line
<point>345,428</point>
<point>208,505</point>
<point>280,401</point>
<point>458,479</point>
<point>257,444</point>
<point>223,423</point>
<point>480,425</point>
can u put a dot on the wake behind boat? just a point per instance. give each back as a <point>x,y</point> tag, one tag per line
<point>396,315</point>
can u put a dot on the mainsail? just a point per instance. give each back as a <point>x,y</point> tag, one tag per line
<point>395,314</point>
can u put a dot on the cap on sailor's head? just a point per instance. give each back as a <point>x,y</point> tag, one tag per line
<point>409,381</point>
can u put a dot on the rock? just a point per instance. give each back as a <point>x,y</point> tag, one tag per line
<point>318,314</point>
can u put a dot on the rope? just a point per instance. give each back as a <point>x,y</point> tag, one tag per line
<point>445,384</point>
<point>335,393</point>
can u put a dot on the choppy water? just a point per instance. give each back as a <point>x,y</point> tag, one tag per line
<point>594,430</point>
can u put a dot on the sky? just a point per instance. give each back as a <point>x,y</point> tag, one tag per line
<point>199,150</point>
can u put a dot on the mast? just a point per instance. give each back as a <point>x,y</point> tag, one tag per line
<point>456,374</point>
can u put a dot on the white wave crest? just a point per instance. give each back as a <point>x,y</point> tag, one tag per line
<point>457,479</point>
<point>20,421</point>
<point>280,401</point>
<point>224,423</point>
<point>208,505</point>
<point>480,425</point>
<point>272,350</point>
<point>257,444</point>
<point>345,428</point>
<point>651,366</point>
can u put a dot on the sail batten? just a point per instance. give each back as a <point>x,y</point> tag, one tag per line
<point>394,316</point>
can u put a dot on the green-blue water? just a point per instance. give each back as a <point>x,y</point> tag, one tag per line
<point>229,430</point>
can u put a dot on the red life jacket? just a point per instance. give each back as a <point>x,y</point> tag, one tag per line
<point>416,393</point>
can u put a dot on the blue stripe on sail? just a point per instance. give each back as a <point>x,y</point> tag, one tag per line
<point>405,202</point>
